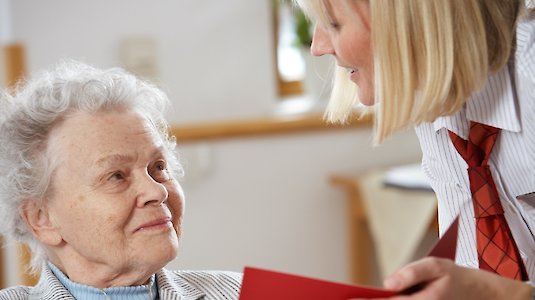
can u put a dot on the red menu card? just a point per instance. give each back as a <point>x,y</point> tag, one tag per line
<point>260,284</point>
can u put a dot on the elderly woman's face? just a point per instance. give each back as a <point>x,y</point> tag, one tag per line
<point>113,200</point>
<point>348,39</point>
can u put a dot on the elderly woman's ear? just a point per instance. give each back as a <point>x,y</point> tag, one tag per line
<point>40,222</point>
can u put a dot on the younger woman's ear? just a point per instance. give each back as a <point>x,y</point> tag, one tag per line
<point>40,224</point>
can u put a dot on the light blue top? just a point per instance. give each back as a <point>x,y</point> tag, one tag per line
<point>85,292</point>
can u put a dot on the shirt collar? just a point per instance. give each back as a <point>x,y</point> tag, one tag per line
<point>495,105</point>
<point>172,286</point>
<point>82,291</point>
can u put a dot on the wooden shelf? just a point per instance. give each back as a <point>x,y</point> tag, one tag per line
<point>261,127</point>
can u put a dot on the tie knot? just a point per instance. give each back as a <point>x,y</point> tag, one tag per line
<point>481,139</point>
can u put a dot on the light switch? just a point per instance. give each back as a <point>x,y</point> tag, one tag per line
<point>138,55</point>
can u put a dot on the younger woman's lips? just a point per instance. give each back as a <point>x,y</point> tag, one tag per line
<point>354,74</point>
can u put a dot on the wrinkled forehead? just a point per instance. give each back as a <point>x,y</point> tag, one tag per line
<point>84,136</point>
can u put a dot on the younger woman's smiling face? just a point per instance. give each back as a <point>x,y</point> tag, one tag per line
<point>348,39</point>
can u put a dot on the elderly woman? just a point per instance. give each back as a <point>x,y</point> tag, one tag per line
<point>88,180</point>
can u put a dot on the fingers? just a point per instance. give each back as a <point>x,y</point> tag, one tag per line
<point>421,271</point>
<point>442,279</point>
<point>417,274</point>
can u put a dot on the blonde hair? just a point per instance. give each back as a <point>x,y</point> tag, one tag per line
<point>429,57</point>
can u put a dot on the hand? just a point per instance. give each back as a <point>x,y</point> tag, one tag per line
<point>442,279</point>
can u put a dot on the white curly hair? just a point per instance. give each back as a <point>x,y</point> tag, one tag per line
<point>39,104</point>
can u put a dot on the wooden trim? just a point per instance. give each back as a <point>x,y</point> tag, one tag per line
<point>361,247</point>
<point>14,62</point>
<point>289,88</point>
<point>284,87</point>
<point>260,127</point>
<point>25,256</point>
<point>360,239</point>
<point>14,58</point>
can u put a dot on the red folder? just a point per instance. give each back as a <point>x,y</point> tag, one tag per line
<point>260,284</point>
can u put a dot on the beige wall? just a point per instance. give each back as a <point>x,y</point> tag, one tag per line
<point>261,201</point>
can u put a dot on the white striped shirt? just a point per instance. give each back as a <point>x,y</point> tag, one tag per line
<point>172,285</point>
<point>507,101</point>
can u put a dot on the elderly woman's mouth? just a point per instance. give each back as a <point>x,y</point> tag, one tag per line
<point>156,225</point>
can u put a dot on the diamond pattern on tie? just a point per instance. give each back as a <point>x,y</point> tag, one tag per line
<point>484,192</point>
<point>496,248</point>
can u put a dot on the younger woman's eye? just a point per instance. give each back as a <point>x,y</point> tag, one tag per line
<point>334,25</point>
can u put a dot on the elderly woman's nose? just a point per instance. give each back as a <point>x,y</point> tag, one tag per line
<point>150,191</point>
<point>321,43</point>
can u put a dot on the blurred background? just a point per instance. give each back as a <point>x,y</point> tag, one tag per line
<point>261,165</point>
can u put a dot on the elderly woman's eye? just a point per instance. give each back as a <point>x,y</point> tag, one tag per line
<point>159,171</point>
<point>161,165</point>
<point>117,176</point>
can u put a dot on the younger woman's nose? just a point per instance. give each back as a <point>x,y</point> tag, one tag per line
<point>321,42</point>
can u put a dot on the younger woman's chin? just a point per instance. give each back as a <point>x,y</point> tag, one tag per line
<point>367,101</point>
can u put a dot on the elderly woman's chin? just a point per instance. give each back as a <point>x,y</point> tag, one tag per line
<point>158,252</point>
<point>168,249</point>
<point>156,247</point>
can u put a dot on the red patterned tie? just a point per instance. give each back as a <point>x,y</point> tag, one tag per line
<point>496,248</point>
